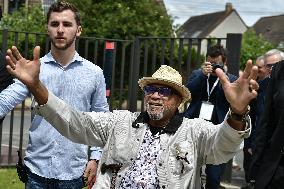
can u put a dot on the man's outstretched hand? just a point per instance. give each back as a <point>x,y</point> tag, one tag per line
<point>25,70</point>
<point>243,90</point>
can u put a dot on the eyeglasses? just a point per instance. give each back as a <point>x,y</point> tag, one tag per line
<point>162,91</point>
<point>269,66</point>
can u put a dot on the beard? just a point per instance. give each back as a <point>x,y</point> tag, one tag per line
<point>67,44</point>
<point>155,113</point>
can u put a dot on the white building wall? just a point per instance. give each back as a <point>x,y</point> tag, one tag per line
<point>232,24</point>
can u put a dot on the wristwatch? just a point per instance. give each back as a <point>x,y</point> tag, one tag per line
<point>234,116</point>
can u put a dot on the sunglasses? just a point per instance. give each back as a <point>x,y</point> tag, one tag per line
<point>162,91</point>
<point>269,66</point>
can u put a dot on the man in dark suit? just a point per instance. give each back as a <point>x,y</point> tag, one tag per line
<point>5,78</point>
<point>208,100</point>
<point>267,165</point>
<point>265,64</point>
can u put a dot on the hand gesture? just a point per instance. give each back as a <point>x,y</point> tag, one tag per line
<point>243,90</point>
<point>206,68</point>
<point>25,70</point>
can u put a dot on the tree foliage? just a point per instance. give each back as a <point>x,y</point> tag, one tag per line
<point>123,19</point>
<point>26,19</point>
<point>253,46</point>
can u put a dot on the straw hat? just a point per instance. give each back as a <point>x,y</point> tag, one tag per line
<point>168,76</point>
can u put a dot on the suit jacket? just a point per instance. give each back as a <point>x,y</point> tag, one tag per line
<point>257,109</point>
<point>269,142</point>
<point>197,84</point>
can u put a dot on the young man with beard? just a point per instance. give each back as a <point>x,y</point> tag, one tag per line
<point>52,160</point>
<point>209,101</point>
<point>157,148</point>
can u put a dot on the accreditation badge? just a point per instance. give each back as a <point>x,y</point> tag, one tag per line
<point>206,110</point>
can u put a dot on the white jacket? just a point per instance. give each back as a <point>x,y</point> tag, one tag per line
<point>199,141</point>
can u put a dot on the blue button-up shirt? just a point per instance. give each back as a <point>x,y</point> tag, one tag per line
<point>82,85</point>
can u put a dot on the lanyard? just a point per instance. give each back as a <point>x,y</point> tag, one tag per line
<point>213,87</point>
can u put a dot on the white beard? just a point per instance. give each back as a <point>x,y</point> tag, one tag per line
<point>154,115</point>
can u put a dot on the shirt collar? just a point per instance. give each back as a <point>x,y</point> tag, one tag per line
<point>48,58</point>
<point>170,128</point>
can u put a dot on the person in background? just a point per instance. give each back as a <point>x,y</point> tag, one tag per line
<point>257,106</point>
<point>52,160</point>
<point>209,101</point>
<point>271,57</point>
<point>158,148</point>
<point>267,164</point>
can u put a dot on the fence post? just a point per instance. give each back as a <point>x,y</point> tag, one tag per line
<point>233,45</point>
<point>109,62</point>
<point>135,74</point>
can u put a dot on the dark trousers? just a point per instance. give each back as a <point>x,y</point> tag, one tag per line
<point>246,163</point>
<point>277,181</point>
<point>38,182</point>
<point>213,175</point>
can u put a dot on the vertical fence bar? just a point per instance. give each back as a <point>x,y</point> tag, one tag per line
<point>145,67</point>
<point>122,74</point>
<point>133,102</point>
<point>188,58</point>
<point>154,56</point>
<point>130,81</point>
<point>198,51</point>
<point>11,137</point>
<point>172,46</point>
<point>180,52</point>
<point>86,50</point>
<point>96,52</point>
<point>163,51</point>
<point>112,87</point>
<point>46,44</point>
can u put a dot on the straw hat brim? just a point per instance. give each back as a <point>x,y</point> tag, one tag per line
<point>183,91</point>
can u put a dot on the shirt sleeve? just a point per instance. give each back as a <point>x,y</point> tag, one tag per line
<point>13,95</point>
<point>90,128</point>
<point>99,104</point>
<point>219,143</point>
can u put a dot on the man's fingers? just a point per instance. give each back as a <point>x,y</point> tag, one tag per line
<point>222,76</point>
<point>36,53</point>
<point>254,72</point>
<point>247,70</point>
<point>16,53</point>
<point>12,58</point>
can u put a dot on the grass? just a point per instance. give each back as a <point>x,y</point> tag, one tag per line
<point>9,179</point>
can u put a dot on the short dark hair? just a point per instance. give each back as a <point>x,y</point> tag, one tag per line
<point>217,50</point>
<point>60,6</point>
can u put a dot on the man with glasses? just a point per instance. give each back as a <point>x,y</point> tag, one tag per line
<point>265,65</point>
<point>271,58</point>
<point>267,165</point>
<point>257,107</point>
<point>209,101</point>
<point>157,148</point>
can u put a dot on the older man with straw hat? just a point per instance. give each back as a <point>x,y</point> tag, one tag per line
<point>157,148</point>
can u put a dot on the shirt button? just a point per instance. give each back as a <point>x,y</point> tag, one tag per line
<point>163,186</point>
<point>160,164</point>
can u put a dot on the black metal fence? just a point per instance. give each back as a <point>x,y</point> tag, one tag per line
<point>123,63</point>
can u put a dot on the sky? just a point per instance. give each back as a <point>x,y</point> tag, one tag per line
<point>249,10</point>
